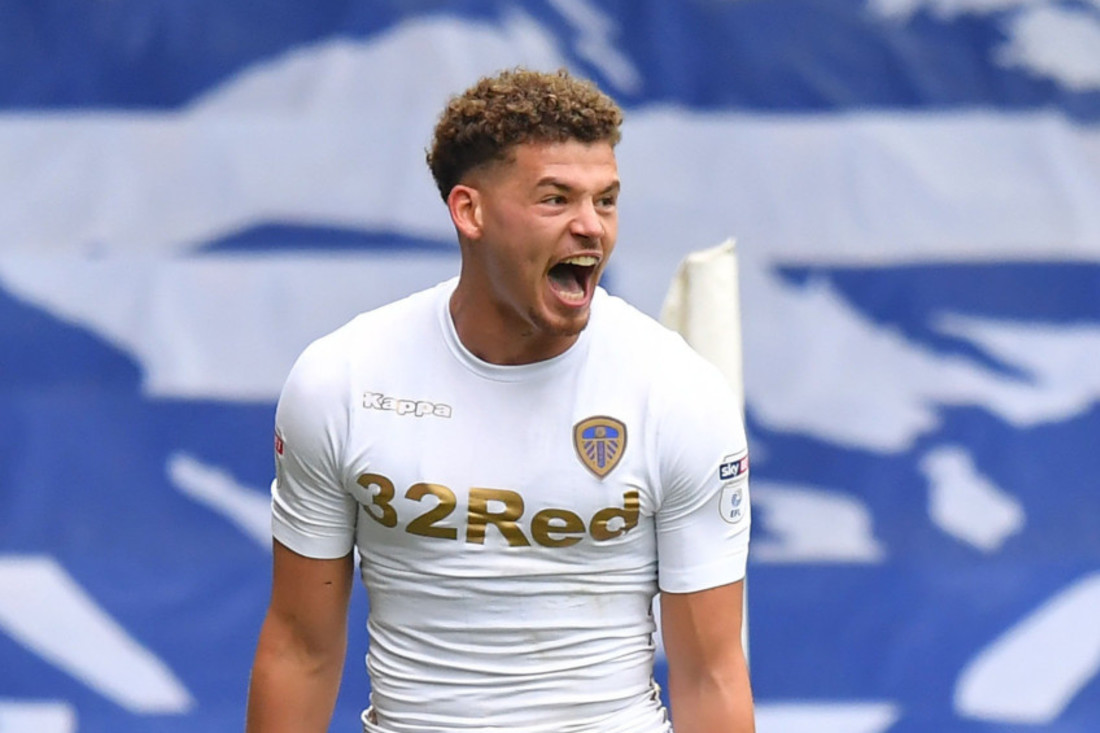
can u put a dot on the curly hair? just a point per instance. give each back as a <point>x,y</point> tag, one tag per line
<point>517,106</point>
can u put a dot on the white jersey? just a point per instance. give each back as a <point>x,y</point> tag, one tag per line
<point>514,522</point>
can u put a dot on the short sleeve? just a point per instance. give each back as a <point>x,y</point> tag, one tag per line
<point>311,512</point>
<point>703,519</point>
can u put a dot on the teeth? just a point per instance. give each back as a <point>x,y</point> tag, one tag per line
<point>582,260</point>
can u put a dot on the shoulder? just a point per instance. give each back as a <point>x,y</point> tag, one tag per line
<point>654,352</point>
<point>408,316</point>
<point>326,363</point>
<point>620,323</point>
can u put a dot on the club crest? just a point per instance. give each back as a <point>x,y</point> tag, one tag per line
<point>600,442</point>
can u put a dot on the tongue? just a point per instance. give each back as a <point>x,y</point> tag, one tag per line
<point>565,279</point>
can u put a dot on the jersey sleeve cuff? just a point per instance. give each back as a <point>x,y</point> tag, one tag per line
<point>319,548</point>
<point>725,570</point>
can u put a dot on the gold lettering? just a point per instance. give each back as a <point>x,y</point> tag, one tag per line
<point>502,508</point>
<point>381,499</point>
<point>601,529</point>
<point>556,521</point>
<point>479,517</point>
<point>424,525</point>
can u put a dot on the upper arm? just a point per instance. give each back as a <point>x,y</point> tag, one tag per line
<point>312,511</point>
<point>702,630</point>
<point>703,526</point>
<point>703,518</point>
<point>708,676</point>
<point>300,655</point>
<point>309,599</point>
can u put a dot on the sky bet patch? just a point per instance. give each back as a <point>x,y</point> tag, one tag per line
<point>733,466</point>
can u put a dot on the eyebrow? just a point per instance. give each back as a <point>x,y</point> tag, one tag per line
<point>565,187</point>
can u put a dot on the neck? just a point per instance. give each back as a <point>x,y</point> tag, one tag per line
<point>493,335</point>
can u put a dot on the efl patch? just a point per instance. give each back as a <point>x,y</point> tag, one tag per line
<point>600,442</point>
<point>733,466</point>
<point>731,504</point>
<point>279,445</point>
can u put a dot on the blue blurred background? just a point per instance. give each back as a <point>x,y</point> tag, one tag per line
<point>192,190</point>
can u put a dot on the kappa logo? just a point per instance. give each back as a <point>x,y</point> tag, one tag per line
<point>416,408</point>
<point>600,442</point>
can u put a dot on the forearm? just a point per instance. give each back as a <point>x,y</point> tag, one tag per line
<point>292,689</point>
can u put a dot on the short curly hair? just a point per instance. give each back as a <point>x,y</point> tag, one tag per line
<point>517,106</point>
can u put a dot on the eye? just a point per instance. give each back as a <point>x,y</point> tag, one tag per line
<point>555,199</point>
<point>607,202</point>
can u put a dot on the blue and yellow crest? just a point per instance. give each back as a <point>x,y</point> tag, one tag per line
<point>600,442</point>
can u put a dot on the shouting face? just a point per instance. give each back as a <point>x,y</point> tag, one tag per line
<point>537,231</point>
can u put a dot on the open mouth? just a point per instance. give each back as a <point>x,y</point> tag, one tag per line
<point>571,277</point>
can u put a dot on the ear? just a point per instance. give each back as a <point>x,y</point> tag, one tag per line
<point>464,203</point>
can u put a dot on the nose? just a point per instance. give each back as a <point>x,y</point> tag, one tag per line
<point>588,223</point>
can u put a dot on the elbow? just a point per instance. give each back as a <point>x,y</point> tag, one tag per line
<point>709,698</point>
<point>284,643</point>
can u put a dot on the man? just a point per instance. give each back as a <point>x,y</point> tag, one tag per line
<point>521,460</point>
